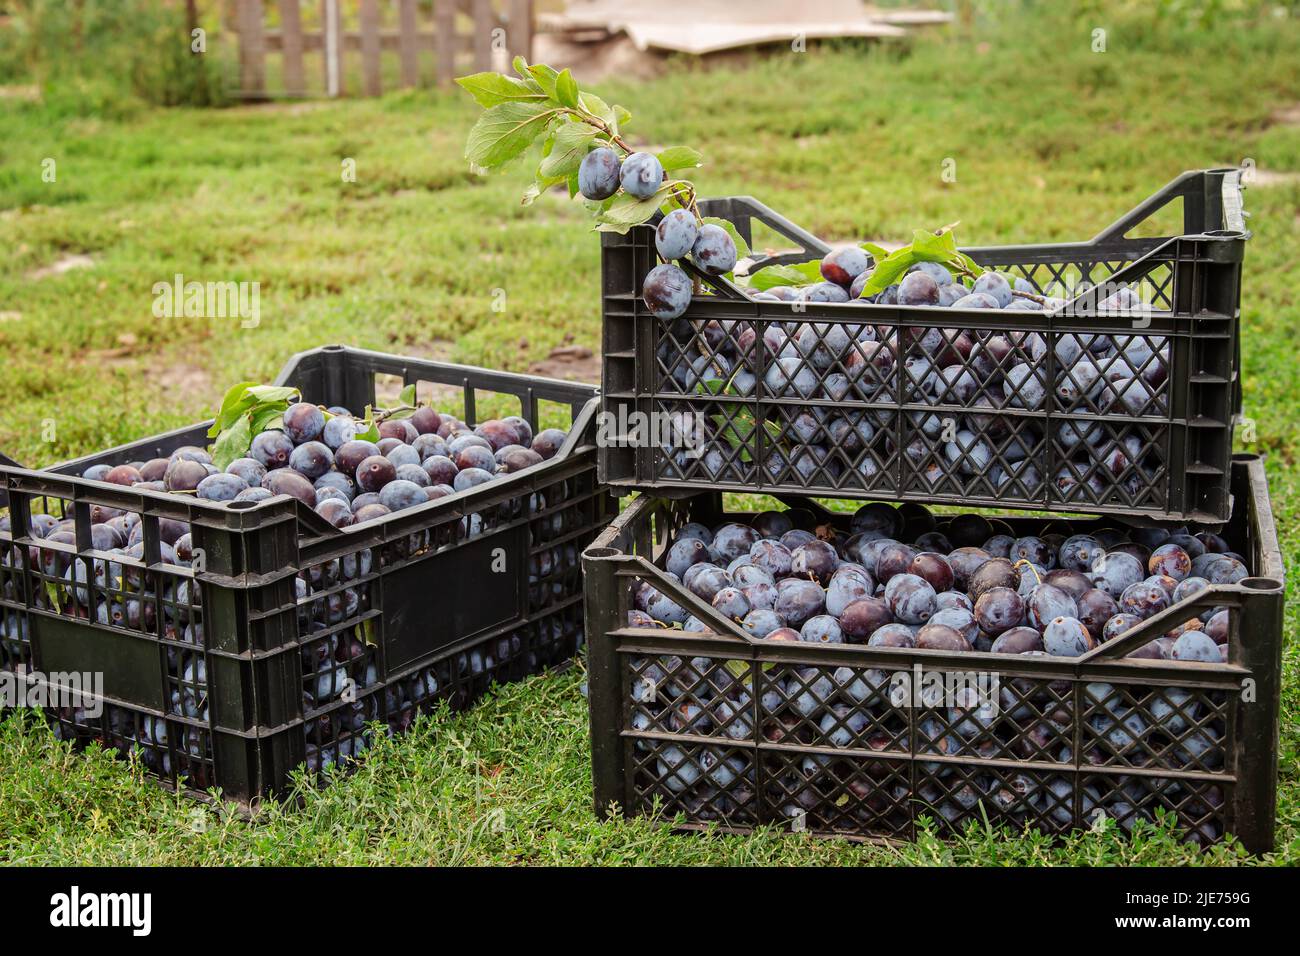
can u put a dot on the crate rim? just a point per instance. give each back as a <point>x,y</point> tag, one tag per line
<point>58,480</point>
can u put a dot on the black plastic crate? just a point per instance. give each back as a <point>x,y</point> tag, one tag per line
<point>720,729</point>
<point>290,638</point>
<point>877,399</point>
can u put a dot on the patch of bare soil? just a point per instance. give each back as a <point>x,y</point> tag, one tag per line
<point>69,262</point>
<point>573,363</point>
<point>183,381</point>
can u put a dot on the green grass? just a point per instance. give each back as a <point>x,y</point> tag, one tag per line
<point>1051,141</point>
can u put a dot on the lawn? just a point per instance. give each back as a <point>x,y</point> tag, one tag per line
<point>1051,141</point>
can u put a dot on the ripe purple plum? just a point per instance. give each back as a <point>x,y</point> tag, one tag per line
<point>312,459</point>
<point>1067,637</point>
<point>676,234</point>
<point>816,560</point>
<point>1170,560</point>
<point>1018,640</point>
<point>351,454</point>
<point>863,617</point>
<point>910,598</point>
<point>940,637</point>
<point>598,174</point>
<point>798,600</point>
<point>1095,608</point>
<point>1144,600</point>
<point>303,422</point>
<point>934,568</point>
<point>374,473</point>
<point>641,175</point>
<point>666,291</point>
<point>271,449</point>
<point>843,266</point>
<point>286,481</point>
<point>999,609</point>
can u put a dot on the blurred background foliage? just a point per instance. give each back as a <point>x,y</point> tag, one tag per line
<point>111,57</point>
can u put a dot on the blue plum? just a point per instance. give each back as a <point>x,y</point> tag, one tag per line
<point>641,175</point>
<point>598,174</point>
<point>1067,637</point>
<point>676,234</point>
<point>684,553</point>
<point>994,284</point>
<point>714,250</point>
<point>918,288</point>
<point>821,629</point>
<point>303,422</point>
<point>221,487</point>
<point>910,598</point>
<point>311,459</point>
<point>843,266</point>
<point>271,449</point>
<point>666,292</point>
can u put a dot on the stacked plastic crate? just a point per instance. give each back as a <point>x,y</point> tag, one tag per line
<point>1116,403</point>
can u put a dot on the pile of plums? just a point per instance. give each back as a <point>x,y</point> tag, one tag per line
<point>853,380</point>
<point>969,583</point>
<point>317,458</point>
<point>963,584</point>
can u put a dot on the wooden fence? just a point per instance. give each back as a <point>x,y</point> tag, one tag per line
<point>456,34</point>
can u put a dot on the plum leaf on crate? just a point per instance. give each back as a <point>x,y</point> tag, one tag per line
<point>233,442</point>
<point>799,274</point>
<point>938,246</point>
<point>246,410</point>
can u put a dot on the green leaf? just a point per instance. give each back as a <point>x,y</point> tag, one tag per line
<point>546,78</point>
<point>267,417</point>
<point>931,248</point>
<point>505,132</point>
<point>490,89</point>
<point>889,271</point>
<point>624,211</point>
<point>371,434</point>
<point>273,393</point>
<point>407,395</point>
<point>236,402</point>
<point>233,443</point>
<point>680,157</point>
<point>621,116</point>
<point>799,274</point>
<point>566,89</point>
<point>572,142</point>
<point>878,253</point>
<point>593,104</point>
<point>742,247</point>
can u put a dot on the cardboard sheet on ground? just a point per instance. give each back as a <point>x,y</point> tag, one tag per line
<point>706,26</point>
